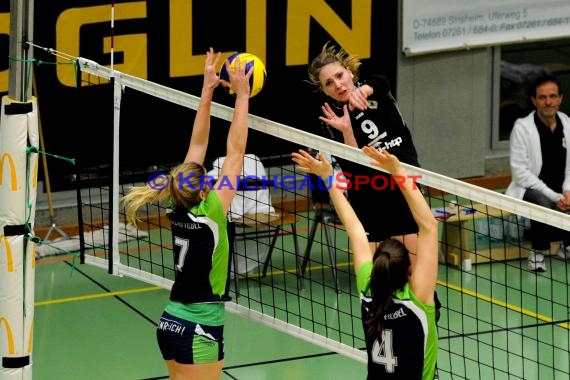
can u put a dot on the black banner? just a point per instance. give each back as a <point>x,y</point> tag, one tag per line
<point>165,42</point>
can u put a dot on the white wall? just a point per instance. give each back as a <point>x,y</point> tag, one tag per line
<point>446,101</point>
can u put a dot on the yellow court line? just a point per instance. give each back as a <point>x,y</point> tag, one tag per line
<point>99,295</point>
<point>459,289</point>
<point>509,306</point>
<point>494,301</point>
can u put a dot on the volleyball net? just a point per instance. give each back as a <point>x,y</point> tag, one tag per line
<point>292,264</point>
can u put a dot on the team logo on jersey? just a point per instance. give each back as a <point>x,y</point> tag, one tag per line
<point>385,144</point>
<point>376,142</point>
<point>400,313</point>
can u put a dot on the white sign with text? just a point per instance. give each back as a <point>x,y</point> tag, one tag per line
<point>438,25</point>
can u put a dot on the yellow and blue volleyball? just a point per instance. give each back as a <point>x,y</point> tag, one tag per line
<point>258,77</point>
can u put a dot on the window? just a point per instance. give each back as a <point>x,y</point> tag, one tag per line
<point>518,65</point>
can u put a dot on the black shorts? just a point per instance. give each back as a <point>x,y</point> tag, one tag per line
<point>382,212</point>
<point>188,342</point>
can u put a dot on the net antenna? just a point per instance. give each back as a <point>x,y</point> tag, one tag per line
<point>112,34</point>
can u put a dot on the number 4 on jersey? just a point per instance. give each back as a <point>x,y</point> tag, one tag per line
<point>383,353</point>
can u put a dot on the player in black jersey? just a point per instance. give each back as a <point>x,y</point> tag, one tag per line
<point>398,299</point>
<point>190,331</point>
<point>364,113</point>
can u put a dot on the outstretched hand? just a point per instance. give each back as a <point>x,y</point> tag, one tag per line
<point>383,159</point>
<point>307,163</point>
<point>211,78</point>
<point>239,79</point>
<point>342,123</point>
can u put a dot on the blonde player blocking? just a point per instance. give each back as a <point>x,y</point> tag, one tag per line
<point>190,332</point>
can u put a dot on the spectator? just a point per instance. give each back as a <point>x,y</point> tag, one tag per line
<point>540,166</point>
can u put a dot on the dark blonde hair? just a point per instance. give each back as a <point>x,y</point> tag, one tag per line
<point>332,54</point>
<point>182,195</point>
<point>389,273</point>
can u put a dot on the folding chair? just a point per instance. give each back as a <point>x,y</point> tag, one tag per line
<point>253,216</point>
<point>272,224</point>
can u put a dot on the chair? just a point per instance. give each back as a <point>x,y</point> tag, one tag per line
<point>256,226</point>
<point>253,216</point>
<point>270,224</point>
<point>324,214</point>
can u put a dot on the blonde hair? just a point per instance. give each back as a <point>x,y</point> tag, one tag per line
<point>332,54</point>
<point>181,196</point>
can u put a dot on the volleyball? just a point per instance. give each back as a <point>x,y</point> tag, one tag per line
<point>258,77</point>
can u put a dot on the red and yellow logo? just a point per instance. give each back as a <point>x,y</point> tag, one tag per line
<point>9,257</point>
<point>9,336</point>
<point>12,167</point>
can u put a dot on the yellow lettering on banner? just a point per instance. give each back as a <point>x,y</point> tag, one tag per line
<point>356,40</point>
<point>256,28</point>
<point>12,167</point>
<point>9,336</point>
<point>4,29</point>
<point>183,63</point>
<point>133,46</point>
<point>9,259</point>
<point>68,28</point>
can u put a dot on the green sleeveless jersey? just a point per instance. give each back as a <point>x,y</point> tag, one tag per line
<point>201,256</point>
<point>409,345</point>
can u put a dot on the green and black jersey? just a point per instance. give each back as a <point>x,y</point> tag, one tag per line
<point>409,345</point>
<point>201,257</point>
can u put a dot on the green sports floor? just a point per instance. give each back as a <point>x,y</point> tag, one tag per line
<point>92,325</point>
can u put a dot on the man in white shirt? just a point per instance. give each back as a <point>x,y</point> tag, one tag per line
<point>540,165</point>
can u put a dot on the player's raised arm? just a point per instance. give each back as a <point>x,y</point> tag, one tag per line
<point>237,135</point>
<point>323,168</point>
<point>424,275</point>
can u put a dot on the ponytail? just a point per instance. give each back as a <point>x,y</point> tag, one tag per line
<point>389,274</point>
<point>381,288</point>
<point>183,195</point>
<point>140,195</point>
